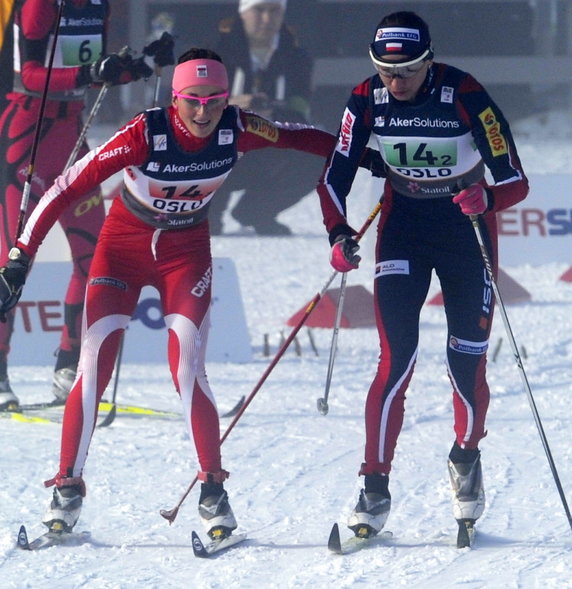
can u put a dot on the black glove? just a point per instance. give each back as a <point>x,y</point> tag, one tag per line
<point>116,69</point>
<point>161,50</point>
<point>140,69</point>
<point>12,280</point>
<point>372,161</point>
<point>341,229</point>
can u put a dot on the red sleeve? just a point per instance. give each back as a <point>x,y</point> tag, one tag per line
<point>128,147</point>
<point>259,133</point>
<point>37,18</point>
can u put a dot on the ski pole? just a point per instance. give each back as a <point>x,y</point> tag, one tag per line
<point>94,109</point>
<point>158,70</point>
<point>125,51</point>
<point>171,514</point>
<point>323,401</point>
<point>488,265</point>
<point>36,142</point>
<point>161,50</point>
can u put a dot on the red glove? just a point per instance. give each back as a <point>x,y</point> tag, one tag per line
<point>343,256</point>
<point>472,200</point>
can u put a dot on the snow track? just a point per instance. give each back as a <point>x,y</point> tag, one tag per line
<point>294,471</point>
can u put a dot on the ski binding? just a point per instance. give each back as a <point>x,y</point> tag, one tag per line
<point>353,543</point>
<point>207,550</point>
<point>466,533</point>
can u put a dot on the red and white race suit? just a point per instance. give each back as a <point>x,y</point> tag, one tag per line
<point>156,233</point>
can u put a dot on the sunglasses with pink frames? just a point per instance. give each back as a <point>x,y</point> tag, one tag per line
<point>208,101</point>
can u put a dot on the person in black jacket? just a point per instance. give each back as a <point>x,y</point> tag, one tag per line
<point>271,75</point>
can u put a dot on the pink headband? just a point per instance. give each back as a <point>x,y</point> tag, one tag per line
<point>200,72</point>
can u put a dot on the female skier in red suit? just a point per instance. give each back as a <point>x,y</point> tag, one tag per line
<point>156,233</point>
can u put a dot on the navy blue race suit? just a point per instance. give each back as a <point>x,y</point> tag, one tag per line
<point>433,146</point>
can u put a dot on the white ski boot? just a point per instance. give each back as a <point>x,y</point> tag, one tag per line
<point>65,507</point>
<point>8,400</point>
<point>467,488</point>
<point>62,382</point>
<point>373,506</point>
<point>468,492</point>
<point>215,511</point>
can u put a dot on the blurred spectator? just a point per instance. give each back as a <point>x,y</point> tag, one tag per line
<point>271,75</point>
<point>80,61</point>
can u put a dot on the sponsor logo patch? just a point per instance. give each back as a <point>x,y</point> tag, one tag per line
<point>346,132</point>
<point>262,128</point>
<point>225,136</point>
<point>426,122</point>
<point>203,284</point>
<point>391,267</point>
<point>160,142</point>
<point>103,155</point>
<point>467,347</point>
<point>108,281</point>
<point>447,94</point>
<point>397,33</point>
<point>380,95</point>
<point>496,140</point>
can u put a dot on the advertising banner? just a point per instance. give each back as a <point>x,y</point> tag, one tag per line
<point>39,319</point>
<point>538,230</point>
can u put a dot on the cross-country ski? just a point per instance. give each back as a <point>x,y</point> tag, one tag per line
<point>51,538</point>
<point>215,546</point>
<point>354,543</point>
<point>28,413</point>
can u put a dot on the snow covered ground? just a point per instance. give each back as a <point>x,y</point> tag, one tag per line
<point>294,471</point>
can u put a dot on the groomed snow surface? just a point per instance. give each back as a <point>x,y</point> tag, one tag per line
<point>293,470</point>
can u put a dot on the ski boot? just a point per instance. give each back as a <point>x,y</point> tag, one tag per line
<point>65,507</point>
<point>62,382</point>
<point>215,511</point>
<point>8,400</point>
<point>373,506</point>
<point>65,373</point>
<point>466,475</point>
